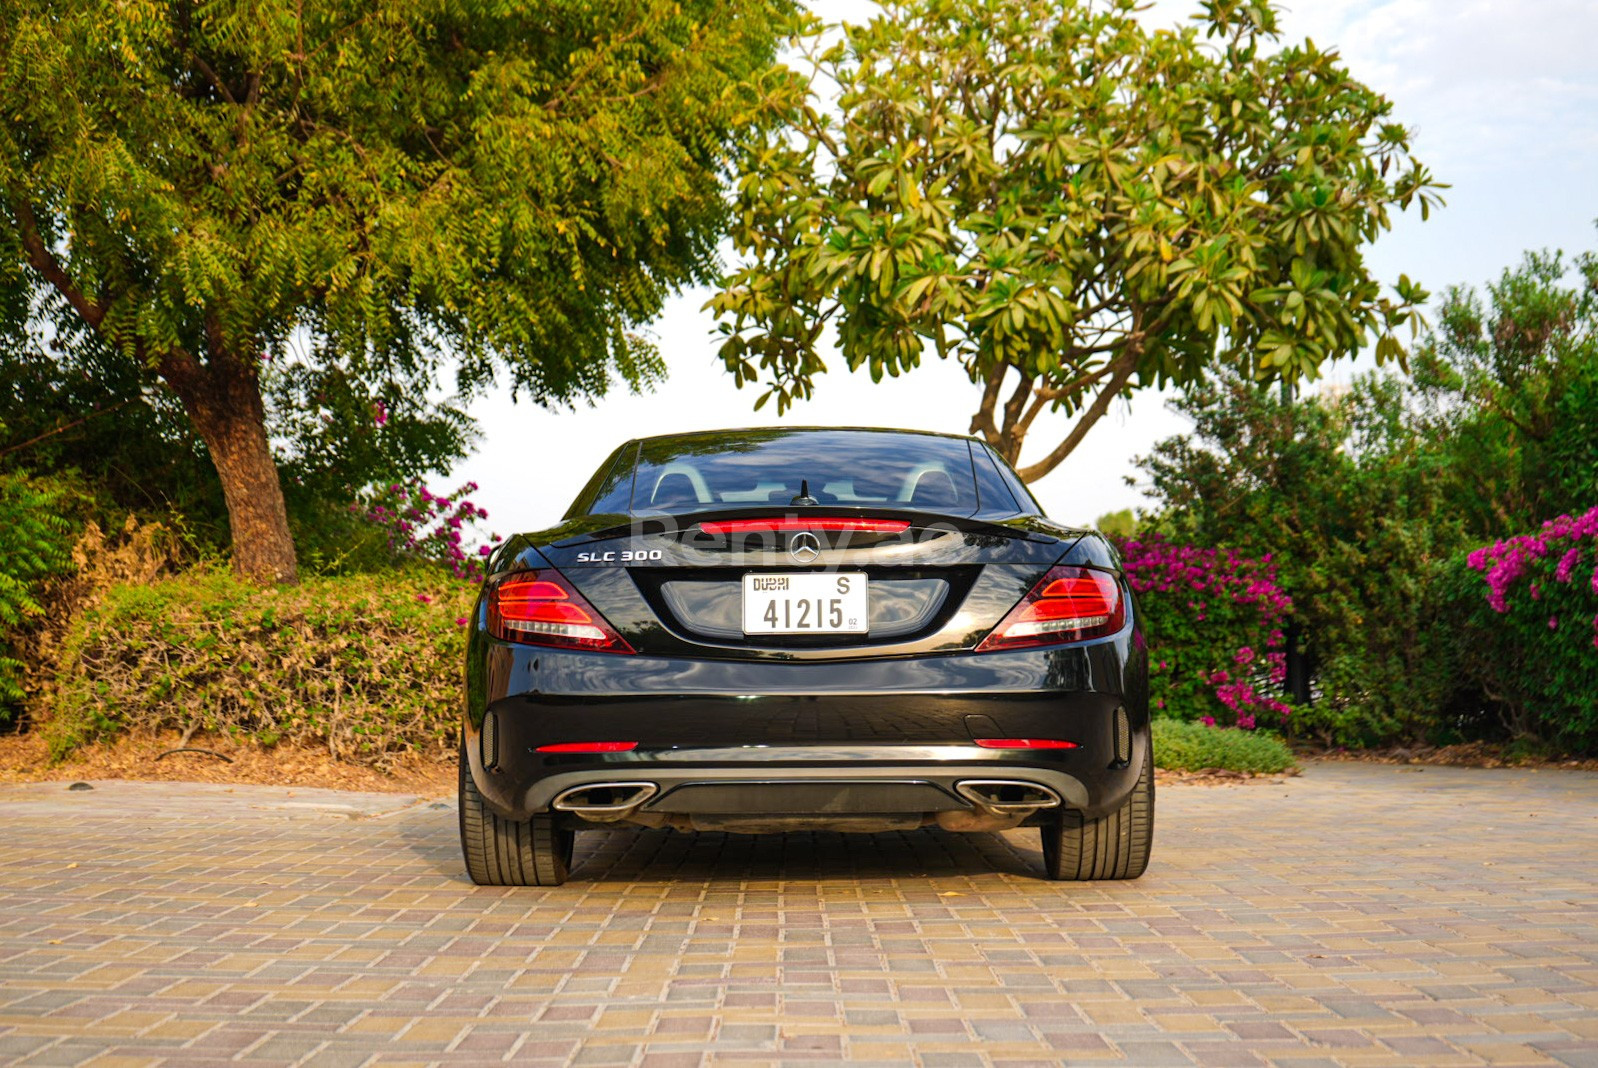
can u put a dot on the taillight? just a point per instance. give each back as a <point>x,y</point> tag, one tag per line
<point>542,608</point>
<point>1069,604</point>
<point>822,523</point>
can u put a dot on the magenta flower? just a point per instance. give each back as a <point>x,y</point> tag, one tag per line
<point>1567,566</point>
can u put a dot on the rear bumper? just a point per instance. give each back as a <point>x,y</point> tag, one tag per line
<point>840,739</point>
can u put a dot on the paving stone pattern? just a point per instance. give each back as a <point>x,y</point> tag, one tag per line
<point>1358,915</point>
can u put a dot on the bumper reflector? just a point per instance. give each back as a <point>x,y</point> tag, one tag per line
<point>589,747</point>
<point>1025,743</point>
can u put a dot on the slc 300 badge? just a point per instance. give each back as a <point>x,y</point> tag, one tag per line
<point>622,556</point>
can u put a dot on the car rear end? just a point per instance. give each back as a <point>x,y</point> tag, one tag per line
<point>769,630</point>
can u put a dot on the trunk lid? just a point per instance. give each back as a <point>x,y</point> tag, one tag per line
<point>675,585</point>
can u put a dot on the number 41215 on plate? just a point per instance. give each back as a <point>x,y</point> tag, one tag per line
<point>808,602</point>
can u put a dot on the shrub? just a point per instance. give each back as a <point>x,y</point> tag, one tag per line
<point>1364,493</point>
<point>368,665</point>
<point>422,525</point>
<point>35,544</point>
<point>1213,620</point>
<point>1527,618</point>
<point>1182,746</point>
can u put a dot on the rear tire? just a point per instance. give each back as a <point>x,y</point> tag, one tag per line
<point>502,852</point>
<point>1114,846</point>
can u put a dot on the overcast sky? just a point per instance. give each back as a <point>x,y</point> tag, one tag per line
<point>1502,96</point>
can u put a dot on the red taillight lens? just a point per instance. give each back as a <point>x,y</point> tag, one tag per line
<point>589,747</point>
<point>1069,604</point>
<point>823,523</point>
<point>1025,743</point>
<point>542,608</point>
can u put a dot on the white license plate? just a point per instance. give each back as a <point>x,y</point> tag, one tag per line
<point>806,603</point>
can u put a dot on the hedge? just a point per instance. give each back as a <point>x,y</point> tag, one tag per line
<point>368,665</point>
<point>1182,746</point>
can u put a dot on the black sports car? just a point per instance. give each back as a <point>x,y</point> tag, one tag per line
<point>767,630</point>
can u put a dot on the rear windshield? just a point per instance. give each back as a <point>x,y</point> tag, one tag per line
<point>846,467</point>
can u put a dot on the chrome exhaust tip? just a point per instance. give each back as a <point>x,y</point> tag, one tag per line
<point>1007,795</point>
<point>604,802</point>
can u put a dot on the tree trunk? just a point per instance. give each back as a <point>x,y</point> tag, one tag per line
<point>223,399</point>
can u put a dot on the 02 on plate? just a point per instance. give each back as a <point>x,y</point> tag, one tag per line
<point>806,603</point>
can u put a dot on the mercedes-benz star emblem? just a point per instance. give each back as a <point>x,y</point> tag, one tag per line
<point>804,547</point>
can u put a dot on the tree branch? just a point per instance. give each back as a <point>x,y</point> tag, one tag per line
<point>1121,373</point>
<point>215,79</point>
<point>982,422</point>
<point>43,260</point>
<point>1012,407</point>
<point>1046,395</point>
<point>63,428</point>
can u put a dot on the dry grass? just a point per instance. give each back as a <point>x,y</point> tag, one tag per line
<point>26,758</point>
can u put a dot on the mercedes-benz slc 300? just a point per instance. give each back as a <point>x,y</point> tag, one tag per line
<point>758,631</point>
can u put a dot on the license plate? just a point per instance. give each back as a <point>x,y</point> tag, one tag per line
<point>806,603</point>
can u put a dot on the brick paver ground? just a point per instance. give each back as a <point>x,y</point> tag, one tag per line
<point>1357,915</point>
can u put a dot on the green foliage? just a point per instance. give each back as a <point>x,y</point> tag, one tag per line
<point>1525,610</point>
<point>369,187</point>
<point>84,407</point>
<point>1182,746</point>
<point>342,438</point>
<point>77,405</point>
<point>367,666</point>
<point>1120,524</point>
<point>1055,190</point>
<point>1511,385</point>
<point>1338,489</point>
<point>1368,497</point>
<point>1214,625</point>
<point>388,176</point>
<point>35,544</point>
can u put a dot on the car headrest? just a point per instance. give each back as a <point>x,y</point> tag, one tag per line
<point>934,489</point>
<point>674,490</point>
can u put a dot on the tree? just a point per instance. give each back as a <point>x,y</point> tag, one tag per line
<point>378,184</point>
<point>1343,494</point>
<point>1071,205</point>
<point>1512,385</point>
<point>1371,497</point>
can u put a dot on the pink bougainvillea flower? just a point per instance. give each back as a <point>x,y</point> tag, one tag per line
<point>1229,581</point>
<point>1567,566</point>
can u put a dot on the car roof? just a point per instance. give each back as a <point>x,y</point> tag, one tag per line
<point>804,429</point>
